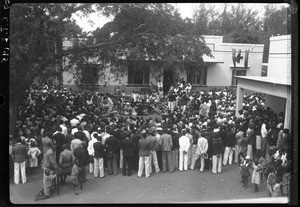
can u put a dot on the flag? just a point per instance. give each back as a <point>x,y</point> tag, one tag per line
<point>233,57</point>
<point>239,57</point>
<point>246,59</point>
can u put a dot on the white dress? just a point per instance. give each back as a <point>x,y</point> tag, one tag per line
<point>256,174</point>
<point>33,152</point>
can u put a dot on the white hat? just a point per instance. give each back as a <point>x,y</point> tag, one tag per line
<point>159,129</point>
<point>247,157</point>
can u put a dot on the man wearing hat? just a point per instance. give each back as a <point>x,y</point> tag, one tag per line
<point>94,138</point>
<point>159,145</point>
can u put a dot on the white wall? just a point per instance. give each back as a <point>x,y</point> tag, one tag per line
<point>219,74</point>
<point>279,66</point>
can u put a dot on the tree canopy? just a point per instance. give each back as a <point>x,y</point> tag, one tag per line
<point>153,32</point>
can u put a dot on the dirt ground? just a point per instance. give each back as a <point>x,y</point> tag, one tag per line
<point>188,186</point>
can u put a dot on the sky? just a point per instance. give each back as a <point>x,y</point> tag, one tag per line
<point>185,9</point>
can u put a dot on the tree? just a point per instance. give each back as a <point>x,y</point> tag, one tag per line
<point>36,44</point>
<point>153,32</point>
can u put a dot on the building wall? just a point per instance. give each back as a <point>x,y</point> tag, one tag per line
<point>280,57</point>
<point>220,74</point>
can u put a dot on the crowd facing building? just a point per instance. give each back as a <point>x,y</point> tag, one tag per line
<point>74,133</point>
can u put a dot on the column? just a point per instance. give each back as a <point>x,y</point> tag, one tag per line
<point>239,99</point>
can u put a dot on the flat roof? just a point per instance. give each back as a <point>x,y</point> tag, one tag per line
<point>266,79</point>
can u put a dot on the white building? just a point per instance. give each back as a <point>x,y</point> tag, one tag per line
<point>215,72</point>
<point>277,84</point>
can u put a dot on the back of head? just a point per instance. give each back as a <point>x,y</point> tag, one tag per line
<point>47,172</point>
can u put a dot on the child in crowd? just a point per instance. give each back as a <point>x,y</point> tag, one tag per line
<point>256,174</point>
<point>33,154</point>
<point>271,181</point>
<point>48,182</point>
<point>245,172</point>
<point>47,187</point>
<point>276,188</point>
<point>263,162</point>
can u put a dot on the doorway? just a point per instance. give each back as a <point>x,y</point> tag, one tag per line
<point>167,80</point>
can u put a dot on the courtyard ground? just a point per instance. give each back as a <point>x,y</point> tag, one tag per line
<point>190,186</point>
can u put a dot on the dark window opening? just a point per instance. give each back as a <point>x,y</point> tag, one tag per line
<point>197,76</point>
<point>89,75</point>
<point>138,75</point>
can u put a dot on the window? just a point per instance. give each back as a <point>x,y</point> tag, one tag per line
<point>90,75</point>
<point>197,76</point>
<point>138,75</point>
<point>237,73</point>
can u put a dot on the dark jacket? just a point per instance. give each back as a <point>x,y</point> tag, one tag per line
<point>231,140</point>
<point>111,145</point>
<point>144,148</point>
<point>152,142</point>
<point>59,140</point>
<point>128,147</point>
<point>80,135</point>
<point>251,137</point>
<point>81,156</point>
<point>98,150</point>
<point>19,153</point>
<point>217,144</point>
<point>175,141</point>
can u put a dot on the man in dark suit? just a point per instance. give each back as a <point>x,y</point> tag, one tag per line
<point>128,148</point>
<point>98,157</point>
<point>111,145</point>
<point>80,134</point>
<point>59,139</point>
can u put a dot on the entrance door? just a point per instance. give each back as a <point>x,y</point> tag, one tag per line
<point>168,80</point>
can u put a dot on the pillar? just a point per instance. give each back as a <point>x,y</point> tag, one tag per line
<point>288,110</point>
<point>239,100</point>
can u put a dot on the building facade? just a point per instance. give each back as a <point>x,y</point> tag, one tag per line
<point>276,86</point>
<point>215,72</point>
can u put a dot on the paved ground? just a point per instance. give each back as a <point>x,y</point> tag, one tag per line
<point>187,186</point>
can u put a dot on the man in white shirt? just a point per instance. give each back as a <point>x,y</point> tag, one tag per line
<point>190,148</point>
<point>91,149</point>
<point>184,145</point>
<point>63,127</point>
<point>264,133</point>
<point>74,122</point>
<point>202,147</point>
<point>86,132</point>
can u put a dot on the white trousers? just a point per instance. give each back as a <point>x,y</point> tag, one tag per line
<point>17,167</point>
<point>216,164</point>
<point>237,152</point>
<point>195,158</point>
<point>91,168</point>
<point>191,153</point>
<point>121,158</point>
<point>250,151</point>
<point>144,162</point>
<point>228,154</point>
<point>153,160</point>
<point>183,161</point>
<point>98,167</point>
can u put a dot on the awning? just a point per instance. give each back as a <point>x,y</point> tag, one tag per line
<point>207,59</point>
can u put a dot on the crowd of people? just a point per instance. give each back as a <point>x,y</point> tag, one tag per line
<point>75,133</point>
